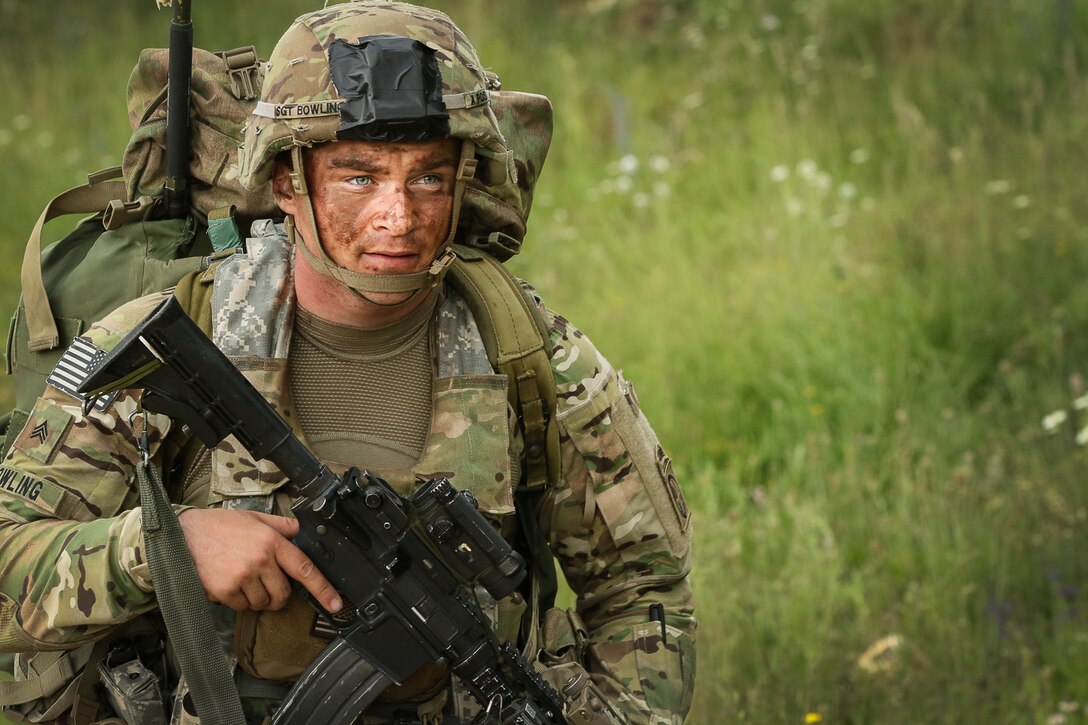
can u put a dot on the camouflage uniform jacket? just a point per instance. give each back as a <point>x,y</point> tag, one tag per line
<point>71,566</point>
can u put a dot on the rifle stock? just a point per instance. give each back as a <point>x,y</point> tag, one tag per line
<point>404,566</point>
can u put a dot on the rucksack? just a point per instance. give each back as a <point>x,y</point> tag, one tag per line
<point>125,249</point>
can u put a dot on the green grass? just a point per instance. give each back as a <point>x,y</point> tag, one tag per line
<point>841,249</point>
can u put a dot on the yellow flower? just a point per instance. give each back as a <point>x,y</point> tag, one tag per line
<point>813,717</point>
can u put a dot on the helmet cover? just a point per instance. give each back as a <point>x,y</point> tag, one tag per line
<point>301,103</point>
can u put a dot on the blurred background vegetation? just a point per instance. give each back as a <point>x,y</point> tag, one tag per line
<point>840,246</point>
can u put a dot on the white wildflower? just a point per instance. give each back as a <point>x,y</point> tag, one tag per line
<point>859,156</point>
<point>998,186</point>
<point>1081,403</point>
<point>641,200</point>
<point>659,163</point>
<point>807,169</point>
<point>693,36</point>
<point>661,189</point>
<point>692,101</point>
<point>770,22</point>
<point>1082,436</point>
<point>623,184</point>
<point>780,173</point>
<point>1051,421</point>
<point>1023,201</point>
<point>847,190</point>
<point>21,122</point>
<point>628,164</point>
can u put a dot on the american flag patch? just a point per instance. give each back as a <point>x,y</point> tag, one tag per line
<point>74,367</point>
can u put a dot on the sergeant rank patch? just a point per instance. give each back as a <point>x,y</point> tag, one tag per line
<point>74,367</point>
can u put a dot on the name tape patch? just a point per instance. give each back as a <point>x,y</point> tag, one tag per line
<point>73,369</point>
<point>297,110</point>
<point>20,484</point>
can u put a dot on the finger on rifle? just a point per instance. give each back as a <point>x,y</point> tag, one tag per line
<point>298,566</point>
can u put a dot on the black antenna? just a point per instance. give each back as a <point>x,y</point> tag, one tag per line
<point>177,109</point>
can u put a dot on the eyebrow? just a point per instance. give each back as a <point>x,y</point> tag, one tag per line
<point>369,164</point>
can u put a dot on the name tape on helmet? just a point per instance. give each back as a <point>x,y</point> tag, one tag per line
<point>453,101</point>
<point>297,110</point>
<point>456,101</point>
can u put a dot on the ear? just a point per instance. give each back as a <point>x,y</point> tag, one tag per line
<point>282,189</point>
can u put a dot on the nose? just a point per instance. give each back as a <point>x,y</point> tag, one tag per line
<point>395,215</point>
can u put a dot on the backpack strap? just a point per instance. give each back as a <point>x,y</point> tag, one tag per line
<point>57,670</point>
<point>194,290</point>
<point>102,188</point>
<point>514,335</point>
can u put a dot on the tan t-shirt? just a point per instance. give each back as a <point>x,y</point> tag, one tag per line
<point>363,396</point>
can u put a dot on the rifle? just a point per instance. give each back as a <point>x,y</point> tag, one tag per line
<point>405,567</point>
<point>179,78</point>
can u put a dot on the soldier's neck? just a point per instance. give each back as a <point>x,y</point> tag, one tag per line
<point>328,299</point>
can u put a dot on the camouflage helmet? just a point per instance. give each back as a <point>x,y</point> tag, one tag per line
<point>301,106</point>
<point>320,87</point>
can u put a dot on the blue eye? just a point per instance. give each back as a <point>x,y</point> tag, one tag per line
<point>360,181</point>
<point>430,179</point>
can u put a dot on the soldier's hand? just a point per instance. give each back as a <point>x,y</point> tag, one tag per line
<point>243,559</point>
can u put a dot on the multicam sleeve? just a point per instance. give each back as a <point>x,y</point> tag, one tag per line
<point>620,528</point>
<point>71,543</point>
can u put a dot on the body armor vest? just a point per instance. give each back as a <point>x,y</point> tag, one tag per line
<point>473,439</point>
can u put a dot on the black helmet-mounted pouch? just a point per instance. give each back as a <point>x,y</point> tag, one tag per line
<point>392,89</point>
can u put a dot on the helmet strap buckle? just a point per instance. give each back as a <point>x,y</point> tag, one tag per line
<point>467,169</point>
<point>440,264</point>
<point>298,172</point>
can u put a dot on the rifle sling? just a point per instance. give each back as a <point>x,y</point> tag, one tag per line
<point>184,607</point>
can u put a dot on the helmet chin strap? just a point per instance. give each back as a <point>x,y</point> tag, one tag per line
<point>361,284</point>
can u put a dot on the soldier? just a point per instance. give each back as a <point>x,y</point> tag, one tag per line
<point>343,318</point>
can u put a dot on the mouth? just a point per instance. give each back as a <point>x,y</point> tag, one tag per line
<point>391,262</point>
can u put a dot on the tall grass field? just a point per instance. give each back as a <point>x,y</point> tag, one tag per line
<point>841,248</point>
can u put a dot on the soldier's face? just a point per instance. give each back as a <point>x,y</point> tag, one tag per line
<point>381,208</point>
